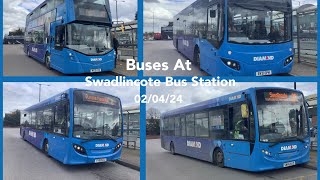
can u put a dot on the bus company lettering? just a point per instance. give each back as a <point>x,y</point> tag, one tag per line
<point>102,145</point>
<point>231,98</point>
<point>96,59</point>
<point>185,43</point>
<point>32,134</point>
<point>34,49</point>
<point>290,147</point>
<point>263,58</point>
<point>194,144</point>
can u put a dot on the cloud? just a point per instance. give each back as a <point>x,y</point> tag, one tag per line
<point>163,11</point>
<point>192,95</point>
<point>20,95</point>
<point>15,12</point>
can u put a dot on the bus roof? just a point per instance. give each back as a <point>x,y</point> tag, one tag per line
<point>219,101</point>
<point>57,98</point>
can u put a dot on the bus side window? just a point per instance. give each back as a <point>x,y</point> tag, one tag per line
<point>59,37</point>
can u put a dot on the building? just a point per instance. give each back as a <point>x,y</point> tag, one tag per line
<point>313,106</point>
<point>167,32</point>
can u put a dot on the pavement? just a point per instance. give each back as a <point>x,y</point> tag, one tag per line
<point>23,161</point>
<point>17,63</point>
<point>160,164</point>
<point>164,51</point>
<point>313,163</point>
<point>130,158</point>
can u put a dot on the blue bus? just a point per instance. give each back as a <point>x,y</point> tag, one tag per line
<point>236,38</point>
<point>71,36</point>
<point>76,127</point>
<point>256,129</point>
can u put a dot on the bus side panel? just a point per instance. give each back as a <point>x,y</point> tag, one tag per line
<point>180,143</point>
<point>237,154</point>
<point>58,146</point>
<point>37,51</point>
<point>35,137</point>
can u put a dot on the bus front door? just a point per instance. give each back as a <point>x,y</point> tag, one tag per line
<point>237,147</point>
<point>209,45</point>
<point>57,44</point>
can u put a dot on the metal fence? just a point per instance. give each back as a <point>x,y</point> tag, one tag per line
<point>305,33</point>
<point>126,34</point>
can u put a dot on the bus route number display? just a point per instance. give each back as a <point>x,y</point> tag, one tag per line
<point>98,99</point>
<point>281,96</point>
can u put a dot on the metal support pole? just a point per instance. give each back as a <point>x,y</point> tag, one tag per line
<point>298,37</point>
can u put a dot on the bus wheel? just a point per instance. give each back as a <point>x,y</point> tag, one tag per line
<point>48,61</point>
<point>172,149</point>
<point>28,53</point>
<point>177,44</point>
<point>46,147</point>
<point>196,56</point>
<point>219,158</point>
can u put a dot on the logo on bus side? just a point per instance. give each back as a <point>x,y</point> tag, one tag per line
<point>290,147</point>
<point>185,43</point>
<point>263,58</point>
<point>96,59</point>
<point>231,98</point>
<point>32,134</point>
<point>34,49</point>
<point>194,144</point>
<point>102,145</point>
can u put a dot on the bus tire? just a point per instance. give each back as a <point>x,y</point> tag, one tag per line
<point>46,147</point>
<point>28,53</point>
<point>218,158</point>
<point>177,44</point>
<point>172,151</point>
<point>47,61</point>
<point>196,56</point>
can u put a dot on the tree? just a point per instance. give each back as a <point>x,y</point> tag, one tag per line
<point>153,113</point>
<point>12,119</point>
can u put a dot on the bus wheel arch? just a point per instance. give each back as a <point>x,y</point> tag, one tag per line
<point>47,60</point>
<point>172,150</point>
<point>45,146</point>
<point>218,157</point>
<point>23,134</point>
<point>196,55</point>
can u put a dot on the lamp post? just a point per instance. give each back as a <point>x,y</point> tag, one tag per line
<point>40,89</point>
<point>117,9</point>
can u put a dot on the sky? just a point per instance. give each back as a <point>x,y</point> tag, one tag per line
<point>15,12</point>
<point>164,10</point>
<point>20,95</point>
<point>192,95</point>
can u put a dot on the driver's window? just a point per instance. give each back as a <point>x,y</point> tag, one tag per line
<point>213,16</point>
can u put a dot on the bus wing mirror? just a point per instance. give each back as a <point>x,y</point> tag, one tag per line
<point>213,13</point>
<point>24,115</point>
<point>244,111</point>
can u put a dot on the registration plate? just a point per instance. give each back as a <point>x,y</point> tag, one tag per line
<point>263,73</point>
<point>287,164</point>
<point>100,160</point>
<point>95,70</point>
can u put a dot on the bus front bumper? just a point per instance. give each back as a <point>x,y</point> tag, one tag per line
<point>77,158</point>
<point>254,69</point>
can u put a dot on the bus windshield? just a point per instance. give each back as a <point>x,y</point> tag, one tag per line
<point>259,22</point>
<point>282,115</point>
<point>89,39</point>
<point>96,116</point>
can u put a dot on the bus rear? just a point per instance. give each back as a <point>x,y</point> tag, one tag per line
<point>283,137</point>
<point>97,128</point>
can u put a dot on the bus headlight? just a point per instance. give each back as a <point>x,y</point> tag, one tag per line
<point>79,149</point>
<point>266,152</point>
<point>288,61</point>
<point>231,64</point>
<point>118,146</point>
